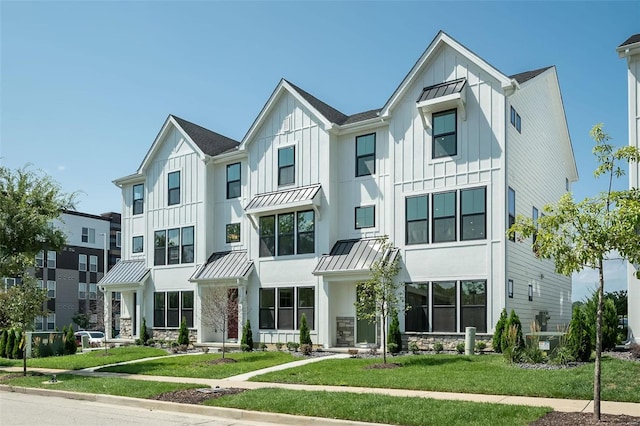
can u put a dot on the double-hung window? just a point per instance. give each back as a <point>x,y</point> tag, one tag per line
<point>82,262</point>
<point>445,142</point>
<point>138,199</point>
<point>417,302</point>
<point>473,309</point>
<point>138,244</point>
<point>51,289</point>
<point>51,259</point>
<point>173,309</point>
<point>173,246</point>
<point>366,155</point>
<point>40,259</point>
<point>306,233</point>
<point>160,246</point>
<point>118,239</point>
<point>267,236</point>
<point>88,235</point>
<point>512,210</point>
<point>286,165</point>
<point>187,251</point>
<point>285,308</point>
<point>93,291</point>
<point>444,217</point>
<point>187,307</point>
<point>444,306</point>
<point>159,304</point>
<point>417,214</point>
<point>82,291</point>
<point>473,217</point>
<point>93,263</point>
<point>365,217</point>
<point>285,234</point>
<point>306,304</point>
<point>173,182</point>
<point>233,180</point>
<point>267,302</point>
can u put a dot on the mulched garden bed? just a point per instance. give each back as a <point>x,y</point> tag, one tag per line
<point>222,361</point>
<point>556,418</point>
<point>381,366</point>
<point>196,396</point>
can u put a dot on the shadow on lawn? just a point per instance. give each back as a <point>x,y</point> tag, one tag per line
<point>433,361</point>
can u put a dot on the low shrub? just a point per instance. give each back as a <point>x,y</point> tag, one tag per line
<point>183,334</point>
<point>247,335</point>
<point>512,349</point>
<point>481,346</point>
<point>393,348</point>
<point>306,349</point>
<point>534,355</point>
<point>563,356</point>
<point>438,347</point>
<point>262,346</point>
<point>293,346</point>
<point>353,352</point>
<point>279,346</point>
<point>414,348</point>
<point>245,348</point>
<point>460,348</point>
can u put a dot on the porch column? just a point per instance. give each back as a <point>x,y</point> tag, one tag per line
<point>135,331</point>
<point>197,321</point>
<point>107,294</point>
<point>242,306</point>
<point>324,325</point>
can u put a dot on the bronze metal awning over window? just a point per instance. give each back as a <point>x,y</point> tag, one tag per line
<point>353,256</point>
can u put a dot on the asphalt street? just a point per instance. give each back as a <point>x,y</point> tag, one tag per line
<point>17,409</point>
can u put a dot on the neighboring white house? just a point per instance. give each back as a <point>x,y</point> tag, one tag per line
<point>288,218</point>
<point>630,49</point>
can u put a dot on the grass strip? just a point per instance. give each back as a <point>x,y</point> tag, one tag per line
<point>88,359</point>
<point>380,408</point>
<point>201,366</point>
<point>100,385</point>
<point>485,374</point>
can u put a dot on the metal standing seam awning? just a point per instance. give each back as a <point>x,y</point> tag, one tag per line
<point>126,274</point>
<point>353,256</point>
<point>450,94</point>
<point>228,265</point>
<point>304,196</point>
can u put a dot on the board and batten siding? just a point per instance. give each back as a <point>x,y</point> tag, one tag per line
<point>132,226</point>
<point>538,164</point>
<point>478,163</point>
<point>224,211</point>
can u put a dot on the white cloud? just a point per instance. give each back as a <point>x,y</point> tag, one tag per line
<point>62,168</point>
<point>615,278</point>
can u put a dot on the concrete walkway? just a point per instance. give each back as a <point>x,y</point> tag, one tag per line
<point>240,381</point>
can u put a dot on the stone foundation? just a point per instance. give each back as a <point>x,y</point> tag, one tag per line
<point>126,326</point>
<point>345,332</point>
<point>171,334</point>
<point>449,341</point>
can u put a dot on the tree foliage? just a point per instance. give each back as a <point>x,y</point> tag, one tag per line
<point>609,321</point>
<point>4,335</point>
<point>305,334</point>
<point>217,309</point>
<point>579,235</point>
<point>246,342</point>
<point>29,202</point>
<point>620,299</point>
<point>378,297</point>
<point>517,341</point>
<point>395,337</point>
<point>183,333</point>
<point>499,330</point>
<point>578,338</point>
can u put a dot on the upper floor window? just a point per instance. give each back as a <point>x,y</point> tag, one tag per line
<point>417,227</point>
<point>233,180</point>
<point>138,199</point>
<point>159,245</point>
<point>88,235</point>
<point>187,245</point>
<point>93,291</point>
<point>51,289</point>
<point>93,263</point>
<point>290,233</point>
<point>137,244</point>
<point>233,233</point>
<point>516,121</point>
<point>118,239</point>
<point>174,246</point>
<point>82,262</point>
<point>473,214</point>
<point>82,291</point>
<point>173,195</point>
<point>366,155</point>
<point>534,216</point>
<point>512,210</point>
<point>40,259</point>
<point>286,165</point>
<point>365,217</point>
<point>444,217</point>
<point>51,259</point>
<point>444,134</point>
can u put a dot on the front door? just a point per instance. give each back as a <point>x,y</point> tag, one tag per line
<point>232,324</point>
<point>366,331</point>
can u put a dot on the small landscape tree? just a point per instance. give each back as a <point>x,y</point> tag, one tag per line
<point>305,334</point>
<point>246,342</point>
<point>144,333</point>
<point>378,297</point>
<point>11,339</point>
<point>497,334</point>
<point>217,308</point>
<point>183,333</point>
<point>581,235</point>
<point>70,345</point>
<point>510,340</point>
<point>609,321</point>
<point>578,339</point>
<point>3,343</point>
<point>81,320</point>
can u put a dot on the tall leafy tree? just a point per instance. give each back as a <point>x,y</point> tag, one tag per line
<point>579,235</point>
<point>25,303</point>
<point>378,297</point>
<point>29,201</point>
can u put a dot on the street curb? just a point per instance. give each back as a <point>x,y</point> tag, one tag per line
<point>227,413</point>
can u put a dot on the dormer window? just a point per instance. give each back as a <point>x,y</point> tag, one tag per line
<point>445,141</point>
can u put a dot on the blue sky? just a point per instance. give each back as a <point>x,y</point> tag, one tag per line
<point>86,86</point>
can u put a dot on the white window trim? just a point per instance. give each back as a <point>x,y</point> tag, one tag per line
<point>91,263</point>
<point>80,263</point>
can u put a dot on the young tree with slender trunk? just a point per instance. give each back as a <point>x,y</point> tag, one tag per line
<point>217,309</point>
<point>378,297</point>
<point>579,235</point>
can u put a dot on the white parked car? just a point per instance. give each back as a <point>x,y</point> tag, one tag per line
<point>96,338</point>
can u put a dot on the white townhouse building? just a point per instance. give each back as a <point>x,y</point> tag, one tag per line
<point>288,219</point>
<point>630,50</point>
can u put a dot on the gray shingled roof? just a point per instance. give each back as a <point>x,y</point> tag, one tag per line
<point>361,116</point>
<point>631,40</point>
<point>528,75</point>
<point>225,265</point>
<point>283,197</point>
<point>126,272</point>
<point>211,143</point>
<point>442,89</point>
<point>352,256</point>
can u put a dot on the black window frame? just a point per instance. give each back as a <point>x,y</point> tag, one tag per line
<point>518,123</point>
<point>510,288</point>
<point>534,216</point>
<point>302,308</point>
<point>173,309</point>
<point>282,168</point>
<point>309,233</point>
<point>477,214</point>
<point>267,311</point>
<point>173,246</point>
<point>286,306</point>
<point>229,232</point>
<point>134,245</point>
<point>469,303</point>
<point>436,307</point>
<point>234,188</point>
<point>513,116</point>
<point>173,192</point>
<point>187,244</point>
<point>443,134</point>
<point>437,219</point>
<point>159,309</point>
<point>411,221</point>
<point>186,307</point>
<point>164,315</point>
<point>511,210</point>
<point>267,243</point>
<point>361,159</point>
<point>285,239</point>
<point>160,250</point>
<point>373,216</point>
<point>417,314</point>
<point>137,204</point>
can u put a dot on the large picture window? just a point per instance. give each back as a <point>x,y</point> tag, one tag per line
<point>444,306</point>
<point>279,307</point>
<point>366,155</point>
<point>444,217</point>
<point>473,217</point>
<point>267,308</point>
<point>138,199</point>
<point>233,180</point>
<point>473,311</point>
<point>417,214</point>
<point>287,234</point>
<point>444,134</point>
<point>170,307</point>
<point>417,299</point>
<point>286,166</point>
<point>173,195</point>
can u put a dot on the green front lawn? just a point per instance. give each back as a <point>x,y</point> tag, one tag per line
<point>380,408</point>
<point>470,374</point>
<point>102,385</point>
<point>201,367</point>
<point>90,359</point>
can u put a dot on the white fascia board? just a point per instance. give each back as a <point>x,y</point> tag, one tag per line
<point>628,50</point>
<point>442,38</point>
<point>349,275</point>
<point>364,125</point>
<point>228,156</point>
<point>125,180</point>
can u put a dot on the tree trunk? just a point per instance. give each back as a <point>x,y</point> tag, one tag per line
<point>24,353</point>
<point>598,368</point>
<point>384,340</point>
<point>224,327</point>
